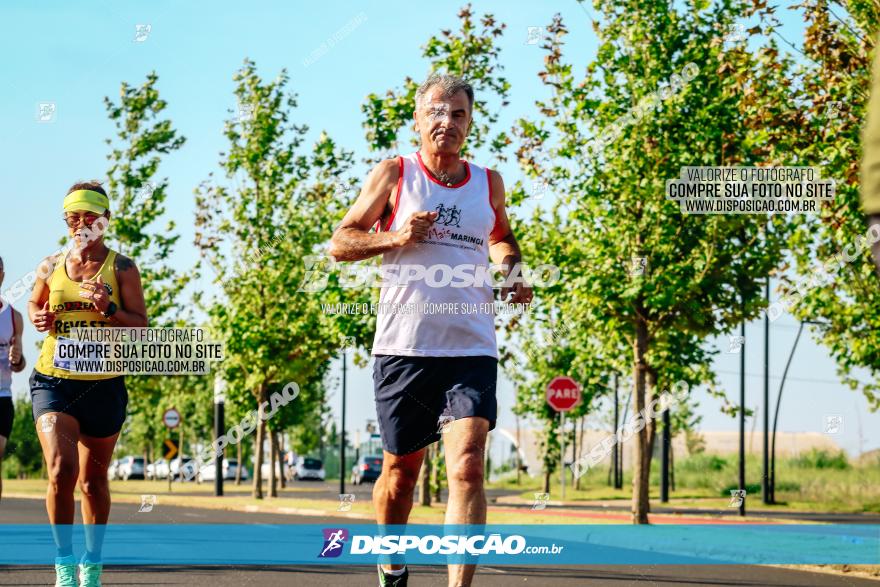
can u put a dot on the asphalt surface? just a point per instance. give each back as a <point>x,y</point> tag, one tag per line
<point>28,511</point>
<point>363,492</point>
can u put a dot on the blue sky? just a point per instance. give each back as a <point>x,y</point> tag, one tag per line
<point>74,54</point>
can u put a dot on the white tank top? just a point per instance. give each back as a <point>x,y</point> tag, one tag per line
<point>443,321</point>
<point>7,329</point>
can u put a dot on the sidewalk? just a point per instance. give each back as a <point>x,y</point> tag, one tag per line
<point>614,509</point>
<point>505,512</point>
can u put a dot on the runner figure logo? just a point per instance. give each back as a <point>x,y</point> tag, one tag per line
<point>737,497</point>
<point>147,503</point>
<point>541,500</point>
<point>333,542</point>
<point>448,216</point>
<point>345,502</point>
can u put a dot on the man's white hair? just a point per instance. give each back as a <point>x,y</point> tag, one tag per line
<point>450,84</point>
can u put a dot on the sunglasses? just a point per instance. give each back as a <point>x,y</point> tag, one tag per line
<point>72,220</point>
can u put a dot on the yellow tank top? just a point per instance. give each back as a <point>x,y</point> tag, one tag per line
<point>72,311</point>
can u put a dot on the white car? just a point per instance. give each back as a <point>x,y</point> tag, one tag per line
<point>230,468</point>
<point>113,470</point>
<point>130,467</point>
<point>264,470</point>
<point>187,463</point>
<point>309,468</point>
<point>157,470</point>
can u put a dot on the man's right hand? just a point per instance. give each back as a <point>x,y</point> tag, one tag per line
<point>44,319</point>
<point>415,228</point>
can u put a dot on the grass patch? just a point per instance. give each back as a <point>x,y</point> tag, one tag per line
<point>814,481</point>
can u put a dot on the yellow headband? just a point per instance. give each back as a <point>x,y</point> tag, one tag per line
<point>87,200</point>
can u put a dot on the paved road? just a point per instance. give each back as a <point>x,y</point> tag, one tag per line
<point>363,492</point>
<point>22,511</point>
<point>667,576</point>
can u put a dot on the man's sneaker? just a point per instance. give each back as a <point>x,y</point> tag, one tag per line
<point>65,571</point>
<point>386,580</point>
<point>89,574</point>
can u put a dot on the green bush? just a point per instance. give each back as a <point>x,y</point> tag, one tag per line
<point>24,457</point>
<point>701,463</point>
<point>821,459</point>
<point>751,489</point>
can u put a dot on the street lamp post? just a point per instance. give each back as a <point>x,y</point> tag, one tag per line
<point>742,420</point>
<point>219,415</point>
<point>342,432</point>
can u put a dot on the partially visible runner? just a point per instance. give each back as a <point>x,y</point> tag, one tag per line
<point>11,360</point>
<point>434,210</point>
<point>79,415</point>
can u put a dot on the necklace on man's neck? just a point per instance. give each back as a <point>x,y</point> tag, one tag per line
<point>444,177</point>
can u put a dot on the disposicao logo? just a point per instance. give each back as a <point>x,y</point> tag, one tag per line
<point>334,540</point>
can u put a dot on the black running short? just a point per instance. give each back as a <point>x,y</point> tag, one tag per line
<point>98,405</point>
<point>7,411</point>
<point>416,396</point>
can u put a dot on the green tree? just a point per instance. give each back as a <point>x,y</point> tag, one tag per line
<point>142,137</point>
<point>280,209</point>
<point>835,283</point>
<point>471,53</point>
<point>702,274</point>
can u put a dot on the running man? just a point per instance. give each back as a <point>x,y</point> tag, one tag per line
<point>11,361</point>
<point>79,415</point>
<point>434,208</point>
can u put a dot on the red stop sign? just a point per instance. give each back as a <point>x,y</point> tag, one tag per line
<point>563,393</point>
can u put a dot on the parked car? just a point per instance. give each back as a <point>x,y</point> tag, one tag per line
<point>264,470</point>
<point>309,468</point>
<point>177,463</point>
<point>157,470</point>
<point>367,468</point>
<point>130,467</point>
<point>113,470</point>
<point>230,466</point>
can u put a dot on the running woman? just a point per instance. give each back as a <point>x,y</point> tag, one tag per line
<point>79,415</point>
<point>434,209</point>
<point>11,361</point>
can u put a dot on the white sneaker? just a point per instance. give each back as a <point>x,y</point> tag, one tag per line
<point>65,571</point>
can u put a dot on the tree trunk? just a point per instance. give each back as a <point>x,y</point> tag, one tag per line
<point>425,483</point>
<point>179,450</point>
<point>579,450</point>
<point>518,460</point>
<point>258,447</point>
<point>671,467</point>
<point>640,447</point>
<point>488,462</point>
<point>240,463</point>
<point>273,458</point>
<point>546,479</point>
<point>650,423</point>
<point>192,444</point>
<point>436,471</point>
<point>281,460</point>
